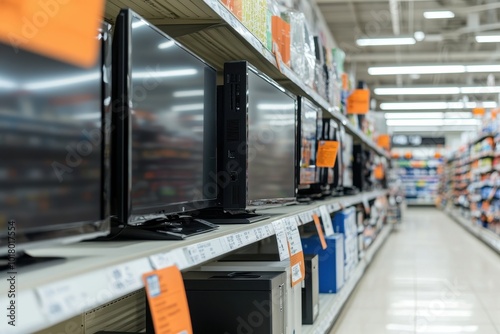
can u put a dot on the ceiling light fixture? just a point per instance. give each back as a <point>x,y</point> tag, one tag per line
<point>435,105</point>
<point>433,69</point>
<point>488,38</point>
<point>436,90</point>
<point>439,14</point>
<point>385,41</point>
<point>419,36</point>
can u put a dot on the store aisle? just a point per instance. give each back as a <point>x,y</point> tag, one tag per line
<point>431,277</point>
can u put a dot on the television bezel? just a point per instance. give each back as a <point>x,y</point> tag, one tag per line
<point>121,205</point>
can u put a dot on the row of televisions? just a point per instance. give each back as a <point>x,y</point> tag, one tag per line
<point>146,145</point>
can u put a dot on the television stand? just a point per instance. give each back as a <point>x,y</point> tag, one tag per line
<point>10,264</point>
<point>221,217</point>
<point>163,228</point>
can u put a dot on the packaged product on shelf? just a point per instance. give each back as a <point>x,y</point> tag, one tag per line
<point>338,59</point>
<point>281,37</point>
<point>235,7</point>
<point>255,18</point>
<point>302,54</point>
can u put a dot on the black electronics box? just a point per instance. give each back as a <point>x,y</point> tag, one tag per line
<point>236,302</point>
<point>310,290</point>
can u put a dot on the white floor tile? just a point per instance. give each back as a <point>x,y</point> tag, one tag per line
<point>431,277</point>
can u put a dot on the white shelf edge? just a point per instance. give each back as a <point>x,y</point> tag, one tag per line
<point>488,237</point>
<point>70,296</point>
<point>331,304</point>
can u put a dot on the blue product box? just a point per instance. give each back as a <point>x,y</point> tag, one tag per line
<point>330,261</point>
<point>345,222</point>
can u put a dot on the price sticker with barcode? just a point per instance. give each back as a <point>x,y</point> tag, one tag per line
<point>281,240</point>
<point>327,221</point>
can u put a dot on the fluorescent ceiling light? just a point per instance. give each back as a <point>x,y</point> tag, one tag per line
<point>188,93</point>
<point>163,74</point>
<point>47,84</point>
<point>433,69</point>
<point>187,107</point>
<point>435,105</point>
<point>414,115</point>
<point>166,45</point>
<point>385,41</point>
<point>433,122</point>
<point>439,14</point>
<point>482,68</point>
<point>425,69</point>
<point>417,90</point>
<point>436,90</point>
<point>488,38</point>
<point>427,115</point>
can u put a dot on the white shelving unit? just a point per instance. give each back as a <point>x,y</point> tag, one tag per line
<point>331,304</point>
<point>95,273</point>
<point>483,234</point>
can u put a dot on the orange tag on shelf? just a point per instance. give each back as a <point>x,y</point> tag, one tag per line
<point>359,102</point>
<point>478,111</point>
<point>327,153</point>
<point>61,29</point>
<point>298,268</point>
<point>320,231</point>
<point>167,301</point>
<point>384,141</point>
<point>378,172</point>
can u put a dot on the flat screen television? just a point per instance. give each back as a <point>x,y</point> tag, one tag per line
<point>309,184</point>
<point>164,137</point>
<point>53,175</point>
<point>258,121</point>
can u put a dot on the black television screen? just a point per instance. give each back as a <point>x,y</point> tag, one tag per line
<point>348,161</point>
<point>52,147</point>
<point>271,142</point>
<point>165,146</point>
<point>259,144</point>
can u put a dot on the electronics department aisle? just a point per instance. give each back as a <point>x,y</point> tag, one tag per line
<point>431,276</point>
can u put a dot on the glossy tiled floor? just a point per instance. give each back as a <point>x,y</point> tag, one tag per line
<point>430,277</point>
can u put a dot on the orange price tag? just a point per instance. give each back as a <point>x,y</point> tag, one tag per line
<point>297,265</point>
<point>478,111</point>
<point>327,153</point>
<point>320,231</point>
<point>61,29</point>
<point>384,141</point>
<point>378,172</point>
<point>298,268</point>
<point>167,301</point>
<point>358,102</point>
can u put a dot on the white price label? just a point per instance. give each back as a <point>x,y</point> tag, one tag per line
<point>281,239</point>
<point>327,221</point>
<point>260,233</point>
<point>296,273</point>
<point>306,217</point>
<point>249,236</point>
<point>334,207</point>
<point>193,254</point>
<point>269,229</point>
<point>123,278</point>
<point>209,249</point>
<point>180,258</point>
<point>161,260</point>
<point>293,236</point>
<point>231,242</point>
<point>57,300</point>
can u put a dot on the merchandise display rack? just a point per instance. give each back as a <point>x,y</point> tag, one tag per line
<point>420,179</point>
<point>95,273</point>
<point>211,31</point>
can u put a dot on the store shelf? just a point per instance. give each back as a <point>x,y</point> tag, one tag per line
<point>488,237</point>
<point>331,304</point>
<point>212,32</point>
<point>95,273</point>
